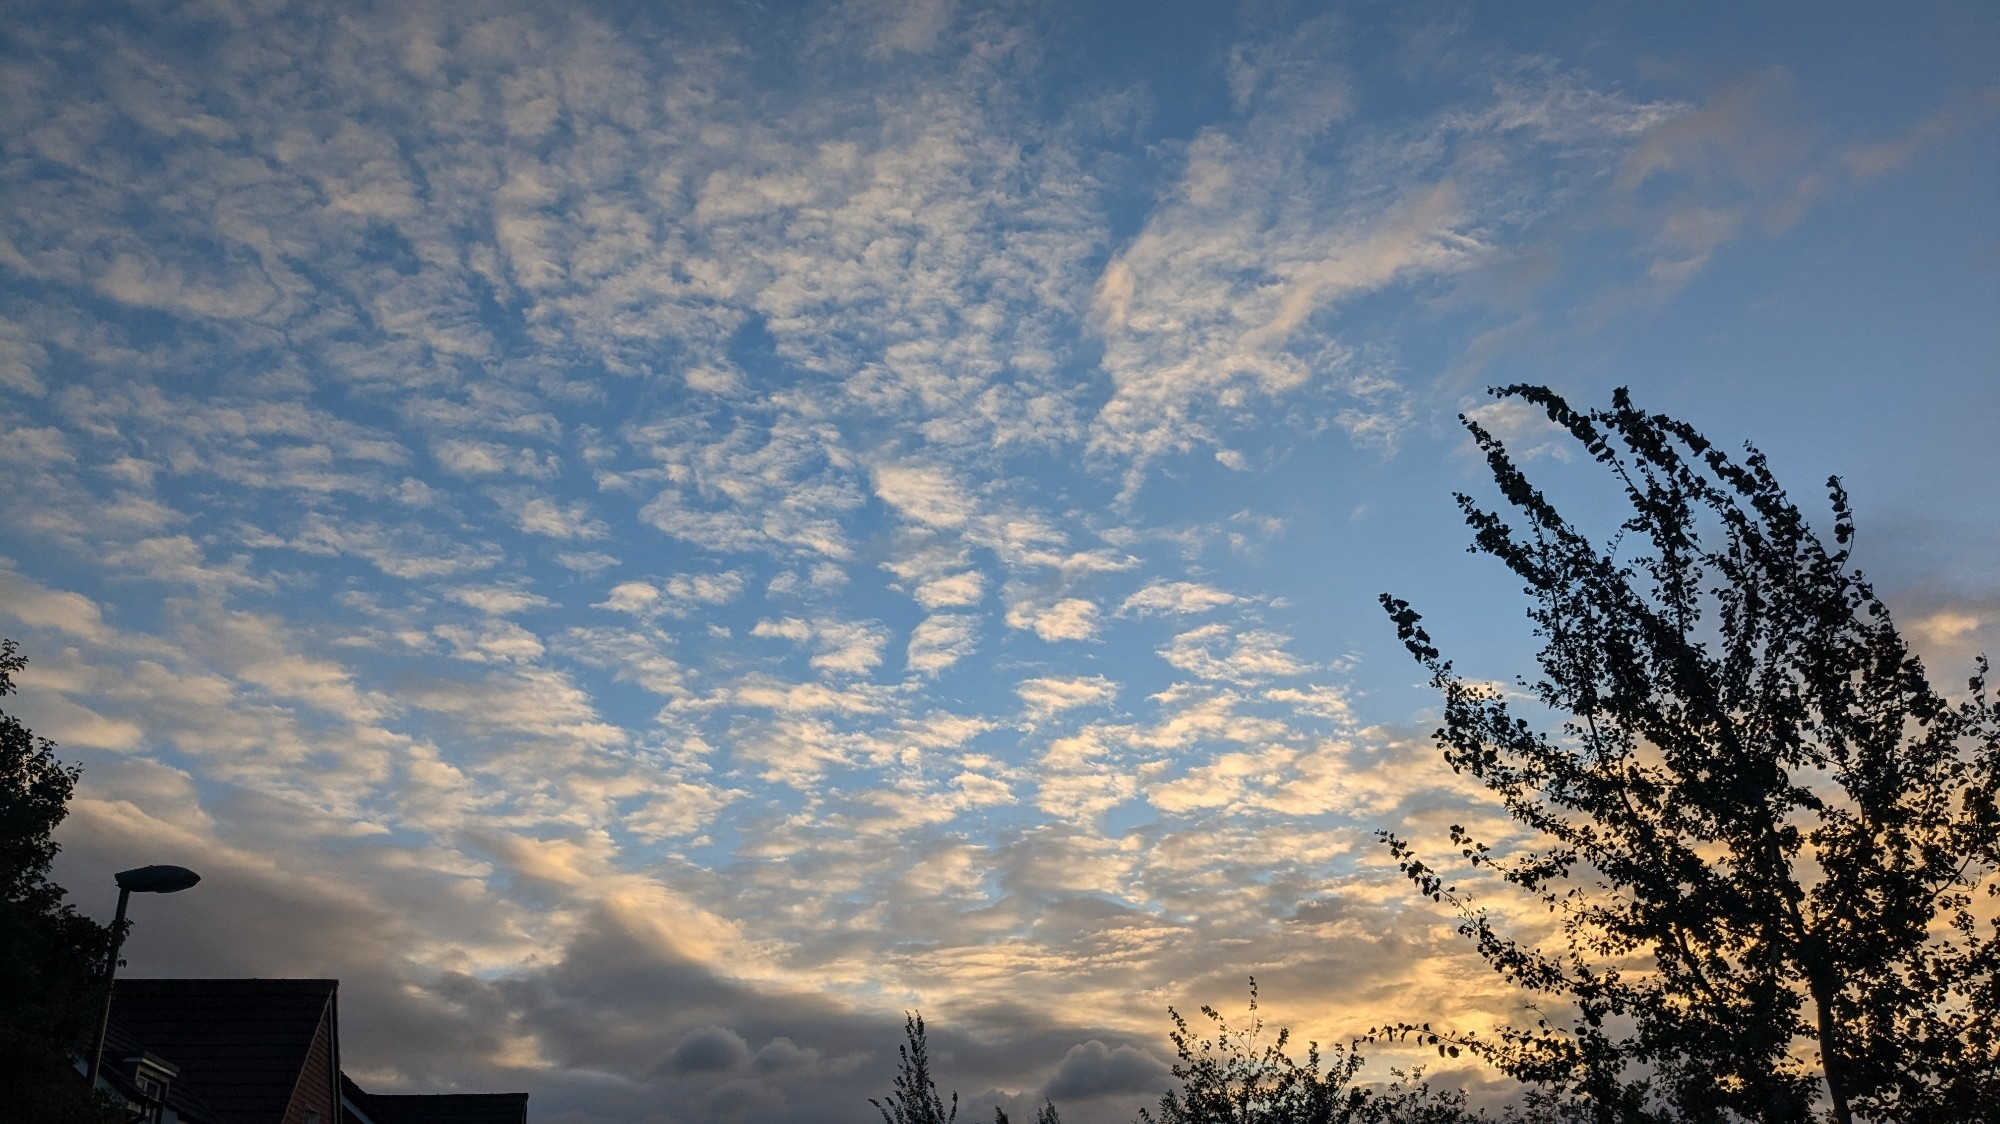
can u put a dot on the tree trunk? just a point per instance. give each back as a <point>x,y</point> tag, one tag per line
<point>1831,1063</point>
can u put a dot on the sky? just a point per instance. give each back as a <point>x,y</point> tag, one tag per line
<point>649,540</point>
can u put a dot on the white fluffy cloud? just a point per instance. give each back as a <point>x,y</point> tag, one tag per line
<point>1045,695</point>
<point>1066,618</point>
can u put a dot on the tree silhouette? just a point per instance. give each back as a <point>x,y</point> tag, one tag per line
<point>51,956</point>
<point>915,1099</point>
<point>1239,1077</point>
<point>1763,832</point>
<point>1044,1115</point>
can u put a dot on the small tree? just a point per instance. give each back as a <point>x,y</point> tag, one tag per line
<point>1761,828</point>
<point>1233,1079</point>
<point>51,957</point>
<point>915,1099</point>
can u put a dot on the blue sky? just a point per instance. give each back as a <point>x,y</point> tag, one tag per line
<point>648,540</point>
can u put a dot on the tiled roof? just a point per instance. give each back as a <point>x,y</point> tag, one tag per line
<point>240,1044</point>
<point>119,1046</point>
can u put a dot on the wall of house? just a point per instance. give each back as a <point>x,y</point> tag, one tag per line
<point>316,1092</point>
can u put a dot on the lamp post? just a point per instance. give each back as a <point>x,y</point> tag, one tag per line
<point>143,880</point>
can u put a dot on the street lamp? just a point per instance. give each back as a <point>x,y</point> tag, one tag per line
<point>143,880</point>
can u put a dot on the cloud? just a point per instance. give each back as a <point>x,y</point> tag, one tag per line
<point>1870,160</point>
<point>1080,777</point>
<point>1046,696</point>
<point>1946,626</point>
<point>1561,108</point>
<point>1179,598</point>
<point>841,647</point>
<point>1319,700</point>
<point>586,562</point>
<point>538,703</point>
<point>708,589</point>
<point>710,1049</point>
<point>1068,618</point>
<point>941,640</point>
<point>407,551</point>
<point>539,515</point>
<point>499,601</point>
<point>630,655</point>
<point>1746,161</point>
<point>680,594</point>
<point>20,360</point>
<point>1093,1069</point>
<point>954,589</point>
<point>630,597</point>
<point>1257,655</point>
<point>788,628</point>
<point>924,494</point>
<point>1199,313</point>
<point>36,606</point>
<point>471,469</point>
<point>486,458</point>
<point>678,809</point>
<point>898,28</point>
<point>848,647</point>
<point>1525,429</point>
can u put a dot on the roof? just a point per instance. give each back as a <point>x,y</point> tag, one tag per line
<point>241,1044</point>
<point>437,1108</point>
<point>120,1046</point>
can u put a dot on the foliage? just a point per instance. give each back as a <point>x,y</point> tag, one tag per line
<point>1231,1079</point>
<point>915,1099</point>
<point>50,956</point>
<point>1761,829</point>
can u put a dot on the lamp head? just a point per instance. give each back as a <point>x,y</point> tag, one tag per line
<point>157,879</point>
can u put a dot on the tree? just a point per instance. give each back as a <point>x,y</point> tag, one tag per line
<point>1044,1115</point>
<point>1764,833</point>
<point>1231,1079</point>
<point>51,957</point>
<point>915,1099</point>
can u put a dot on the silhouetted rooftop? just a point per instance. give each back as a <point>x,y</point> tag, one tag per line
<point>240,1044</point>
<point>437,1108</point>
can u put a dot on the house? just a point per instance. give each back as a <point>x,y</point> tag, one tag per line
<point>258,1052</point>
<point>430,1108</point>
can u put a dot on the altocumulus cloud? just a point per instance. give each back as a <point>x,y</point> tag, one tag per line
<point>650,542</point>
